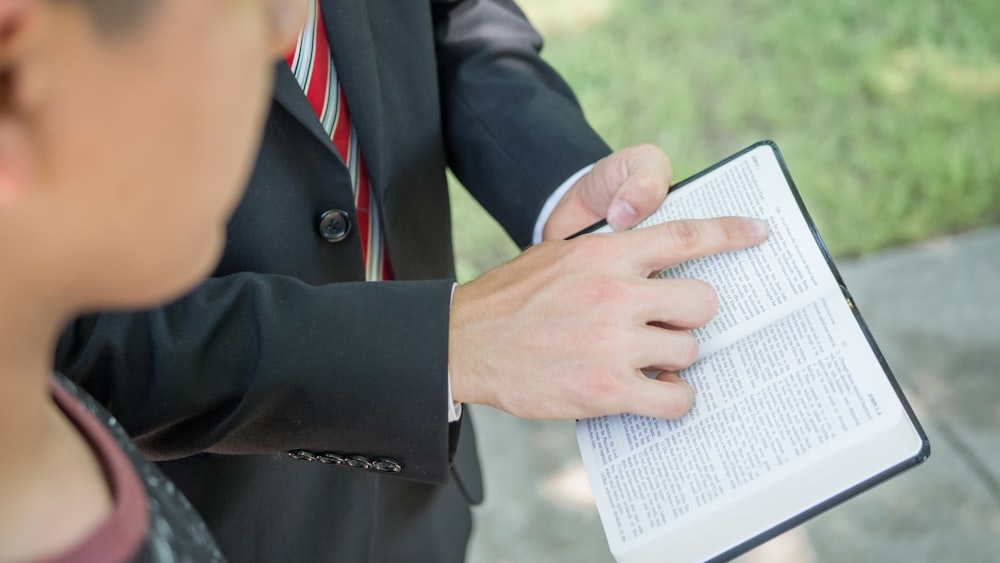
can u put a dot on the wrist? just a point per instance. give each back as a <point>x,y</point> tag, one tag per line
<point>554,201</point>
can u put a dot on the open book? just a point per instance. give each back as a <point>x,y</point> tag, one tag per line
<point>795,408</point>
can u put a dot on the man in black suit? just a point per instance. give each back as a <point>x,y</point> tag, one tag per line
<point>305,411</point>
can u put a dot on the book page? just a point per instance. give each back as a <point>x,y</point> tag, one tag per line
<point>786,380</point>
<point>803,388</point>
<point>758,285</point>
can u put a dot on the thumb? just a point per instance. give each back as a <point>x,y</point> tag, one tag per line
<point>639,177</point>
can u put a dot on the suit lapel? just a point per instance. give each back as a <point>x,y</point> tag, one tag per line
<point>289,94</point>
<point>354,58</point>
<point>353,51</point>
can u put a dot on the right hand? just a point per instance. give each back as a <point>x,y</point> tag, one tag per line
<point>565,329</point>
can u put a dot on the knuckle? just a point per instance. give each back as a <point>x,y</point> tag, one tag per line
<point>645,186</point>
<point>685,236</point>
<point>687,350</point>
<point>606,291</point>
<point>646,192</point>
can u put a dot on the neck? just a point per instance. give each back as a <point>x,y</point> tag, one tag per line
<point>28,333</point>
<point>53,487</point>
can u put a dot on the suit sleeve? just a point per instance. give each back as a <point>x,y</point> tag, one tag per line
<point>264,364</point>
<point>255,363</point>
<point>513,128</point>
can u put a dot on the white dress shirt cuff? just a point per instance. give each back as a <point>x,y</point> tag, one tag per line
<point>454,409</point>
<point>550,204</point>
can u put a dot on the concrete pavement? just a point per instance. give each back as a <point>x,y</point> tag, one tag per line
<point>934,309</point>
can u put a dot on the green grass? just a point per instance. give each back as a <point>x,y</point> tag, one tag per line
<point>887,112</point>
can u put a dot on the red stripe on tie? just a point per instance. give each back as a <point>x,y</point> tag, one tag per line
<point>315,80</point>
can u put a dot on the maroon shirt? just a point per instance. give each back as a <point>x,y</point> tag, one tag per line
<point>150,520</point>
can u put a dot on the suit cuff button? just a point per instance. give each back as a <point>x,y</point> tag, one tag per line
<point>302,455</point>
<point>359,461</point>
<point>331,458</point>
<point>387,465</point>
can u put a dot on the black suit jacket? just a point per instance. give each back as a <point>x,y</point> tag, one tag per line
<point>285,349</point>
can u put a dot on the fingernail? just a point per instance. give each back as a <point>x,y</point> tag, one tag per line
<point>621,215</point>
<point>758,228</point>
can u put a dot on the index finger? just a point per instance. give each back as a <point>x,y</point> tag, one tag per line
<point>671,243</point>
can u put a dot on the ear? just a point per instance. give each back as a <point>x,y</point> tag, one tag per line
<point>15,162</point>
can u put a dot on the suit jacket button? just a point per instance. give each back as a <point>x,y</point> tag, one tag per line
<point>359,461</point>
<point>302,455</point>
<point>387,465</point>
<point>334,225</point>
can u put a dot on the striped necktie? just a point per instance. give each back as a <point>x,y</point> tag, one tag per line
<point>312,65</point>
